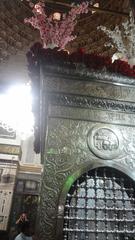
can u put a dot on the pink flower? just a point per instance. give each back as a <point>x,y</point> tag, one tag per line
<point>54,32</point>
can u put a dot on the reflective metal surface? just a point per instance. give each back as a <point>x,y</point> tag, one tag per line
<point>73,105</point>
<point>105,142</point>
<point>100,205</point>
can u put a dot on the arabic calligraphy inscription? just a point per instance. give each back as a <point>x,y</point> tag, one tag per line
<point>104,142</point>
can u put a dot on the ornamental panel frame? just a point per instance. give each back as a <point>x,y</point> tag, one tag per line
<point>93,99</point>
<point>73,178</point>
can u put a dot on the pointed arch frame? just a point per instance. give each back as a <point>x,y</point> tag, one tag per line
<point>73,177</point>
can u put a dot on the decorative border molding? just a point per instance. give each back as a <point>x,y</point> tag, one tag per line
<point>92,115</point>
<point>91,102</point>
<point>81,72</point>
<point>37,168</point>
<point>10,149</point>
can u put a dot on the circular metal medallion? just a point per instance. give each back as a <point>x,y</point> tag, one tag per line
<point>104,141</point>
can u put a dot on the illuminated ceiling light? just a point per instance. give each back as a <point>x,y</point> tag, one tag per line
<point>16,110</point>
<point>57,16</point>
<point>95,5</point>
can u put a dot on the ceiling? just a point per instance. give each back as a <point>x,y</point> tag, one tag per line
<point>16,37</point>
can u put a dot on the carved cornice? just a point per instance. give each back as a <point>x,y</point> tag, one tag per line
<point>91,102</point>
<point>81,73</point>
<point>28,168</point>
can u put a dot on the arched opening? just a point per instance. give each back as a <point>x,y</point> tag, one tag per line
<point>100,205</point>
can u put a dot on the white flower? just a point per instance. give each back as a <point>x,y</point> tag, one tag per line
<point>123,37</point>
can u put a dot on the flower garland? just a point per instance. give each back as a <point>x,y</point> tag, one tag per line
<point>63,59</point>
<point>91,61</point>
<point>53,32</point>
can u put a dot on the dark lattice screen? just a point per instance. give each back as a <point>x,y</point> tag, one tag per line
<point>100,206</point>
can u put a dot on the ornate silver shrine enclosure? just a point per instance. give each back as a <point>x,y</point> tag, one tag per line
<point>88,151</point>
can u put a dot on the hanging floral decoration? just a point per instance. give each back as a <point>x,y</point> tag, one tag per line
<point>123,37</point>
<point>53,32</point>
<point>90,61</point>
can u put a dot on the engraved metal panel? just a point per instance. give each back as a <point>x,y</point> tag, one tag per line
<point>71,100</point>
<point>105,142</point>
<point>73,107</point>
<point>118,118</point>
<point>100,205</point>
<point>90,88</point>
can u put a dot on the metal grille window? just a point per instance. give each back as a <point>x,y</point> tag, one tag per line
<point>100,206</point>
